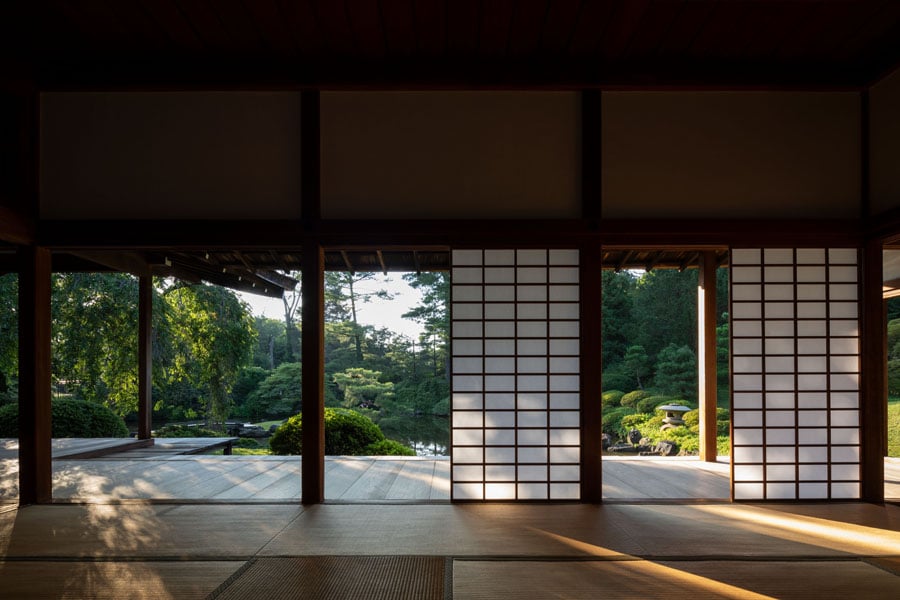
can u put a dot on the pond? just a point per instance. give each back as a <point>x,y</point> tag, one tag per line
<point>428,435</point>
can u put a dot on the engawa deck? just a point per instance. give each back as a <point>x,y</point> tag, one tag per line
<point>164,472</point>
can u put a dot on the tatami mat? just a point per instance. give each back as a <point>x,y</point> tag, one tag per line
<point>697,580</point>
<point>90,580</point>
<point>339,578</point>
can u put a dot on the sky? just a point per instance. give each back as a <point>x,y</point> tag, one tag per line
<point>380,313</point>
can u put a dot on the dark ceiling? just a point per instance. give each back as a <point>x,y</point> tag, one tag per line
<point>432,44</point>
<point>456,43</point>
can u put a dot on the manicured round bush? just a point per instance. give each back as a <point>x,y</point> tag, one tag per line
<point>612,421</point>
<point>70,419</point>
<point>649,404</point>
<point>634,421</point>
<point>288,438</point>
<point>611,398</point>
<point>632,398</point>
<point>346,432</point>
<point>388,448</point>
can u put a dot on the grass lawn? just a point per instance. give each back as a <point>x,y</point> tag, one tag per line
<point>266,424</point>
<point>893,424</point>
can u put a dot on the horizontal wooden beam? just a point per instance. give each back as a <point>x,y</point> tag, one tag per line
<point>15,228</point>
<point>384,234</point>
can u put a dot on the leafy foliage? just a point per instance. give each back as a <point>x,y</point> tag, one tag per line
<point>611,398</point>
<point>95,337</point>
<point>214,334</point>
<point>179,431</point>
<point>676,371</point>
<point>346,433</point>
<point>278,394</point>
<point>387,448</point>
<point>70,418</point>
<point>632,398</point>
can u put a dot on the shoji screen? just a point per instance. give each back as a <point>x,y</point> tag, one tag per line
<point>795,358</point>
<point>515,350</point>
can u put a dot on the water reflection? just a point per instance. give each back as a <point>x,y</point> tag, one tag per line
<point>428,435</point>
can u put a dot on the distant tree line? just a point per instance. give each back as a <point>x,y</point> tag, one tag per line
<point>212,360</point>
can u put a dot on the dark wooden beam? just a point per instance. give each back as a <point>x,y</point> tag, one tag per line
<point>873,361</point>
<point>313,358</point>
<point>15,228</point>
<point>347,262</point>
<point>145,356</point>
<point>122,261</point>
<point>706,354</point>
<point>35,422</point>
<point>591,380</point>
<point>284,234</point>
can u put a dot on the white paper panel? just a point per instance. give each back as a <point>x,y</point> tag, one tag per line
<point>516,384</point>
<point>795,375</point>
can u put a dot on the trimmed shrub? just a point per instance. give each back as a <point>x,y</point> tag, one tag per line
<point>612,420</point>
<point>630,422</point>
<point>648,405</point>
<point>180,431</point>
<point>288,438</point>
<point>632,398</point>
<point>71,418</point>
<point>388,448</point>
<point>611,398</point>
<point>346,432</point>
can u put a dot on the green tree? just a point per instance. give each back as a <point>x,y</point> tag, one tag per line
<point>9,336</point>
<point>676,372</point>
<point>279,394</point>
<point>343,297</point>
<point>433,314</point>
<point>362,388</point>
<point>665,306</point>
<point>637,364</point>
<point>214,336</point>
<point>617,307</point>
<point>95,324</point>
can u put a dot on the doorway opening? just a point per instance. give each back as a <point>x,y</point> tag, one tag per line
<point>387,389</point>
<point>656,377</point>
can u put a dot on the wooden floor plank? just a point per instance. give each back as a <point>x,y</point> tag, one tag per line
<point>440,487</point>
<point>345,473</point>
<point>413,482</point>
<point>376,483</point>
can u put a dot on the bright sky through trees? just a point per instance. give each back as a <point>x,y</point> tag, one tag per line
<point>379,313</point>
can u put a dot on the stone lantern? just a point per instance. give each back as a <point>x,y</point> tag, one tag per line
<point>674,414</point>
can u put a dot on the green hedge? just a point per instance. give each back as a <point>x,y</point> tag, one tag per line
<point>632,398</point>
<point>183,431</point>
<point>611,398</point>
<point>71,419</point>
<point>346,432</point>
<point>388,448</point>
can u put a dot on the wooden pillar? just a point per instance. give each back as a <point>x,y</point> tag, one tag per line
<point>873,388</point>
<point>145,356</point>
<point>591,380</point>
<point>706,354</point>
<point>35,484</point>
<point>313,357</point>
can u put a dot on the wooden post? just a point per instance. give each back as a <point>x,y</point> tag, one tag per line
<point>873,359</point>
<point>35,422</point>
<point>145,356</point>
<point>591,155</point>
<point>313,356</point>
<point>591,382</point>
<point>706,354</point>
